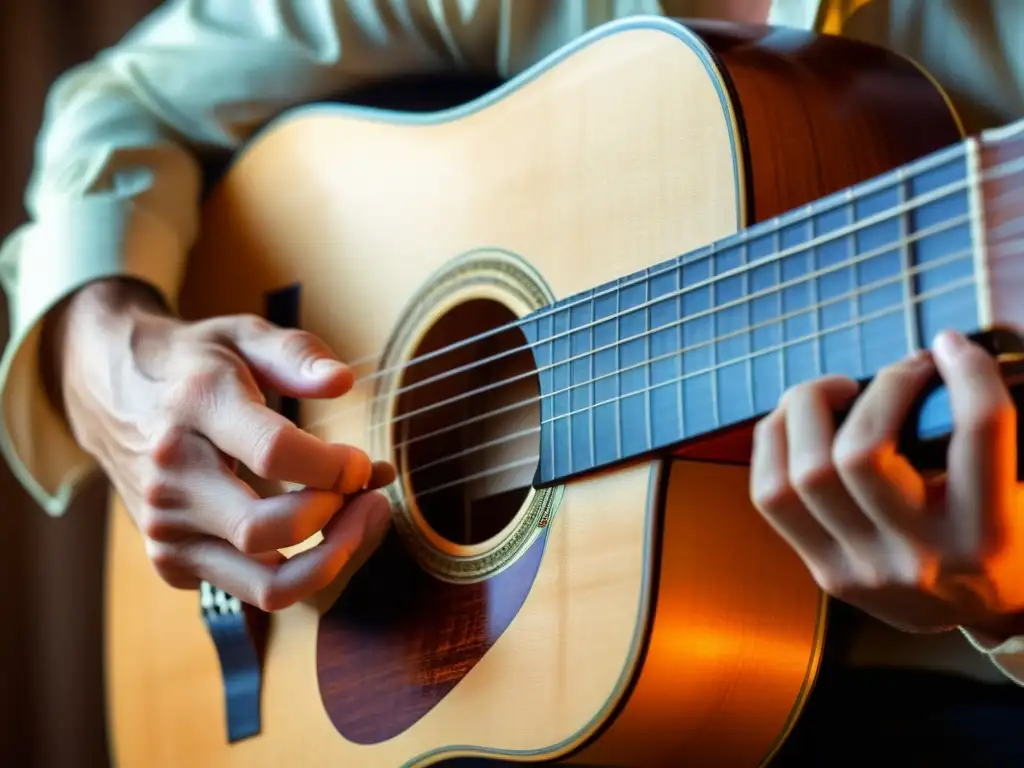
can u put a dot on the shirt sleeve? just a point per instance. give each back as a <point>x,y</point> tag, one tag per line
<point>116,183</point>
<point>1007,655</point>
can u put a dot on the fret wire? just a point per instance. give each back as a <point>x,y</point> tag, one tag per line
<point>619,448</point>
<point>568,395</point>
<point>713,299</point>
<point>553,401</point>
<point>975,177</point>
<point>745,288</point>
<point>679,345</point>
<point>851,250</point>
<point>592,394</point>
<point>814,289</point>
<point>648,374</point>
<point>906,264</point>
<point>777,295</point>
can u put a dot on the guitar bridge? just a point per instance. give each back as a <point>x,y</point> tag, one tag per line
<point>238,632</point>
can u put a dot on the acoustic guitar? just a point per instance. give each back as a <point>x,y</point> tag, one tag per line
<point>567,302</point>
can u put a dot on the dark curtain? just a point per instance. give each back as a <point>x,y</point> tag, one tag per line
<point>51,571</point>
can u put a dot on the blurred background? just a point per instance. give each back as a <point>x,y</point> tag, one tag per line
<point>51,571</point>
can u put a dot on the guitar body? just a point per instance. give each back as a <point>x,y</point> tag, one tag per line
<point>643,615</point>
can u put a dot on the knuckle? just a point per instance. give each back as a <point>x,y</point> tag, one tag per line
<point>247,535</point>
<point>796,393</point>
<point>764,428</point>
<point>215,370</point>
<point>815,478</point>
<point>356,469</point>
<point>845,579</point>
<point>861,448</point>
<point>266,452</point>
<point>252,324</point>
<point>297,344</point>
<point>161,493</point>
<point>991,418</point>
<point>168,559</point>
<point>772,495</point>
<point>856,461</point>
<point>269,597</point>
<point>168,448</point>
<point>893,373</point>
<point>157,525</point>
<point>830,582</point>
<point>198,389</point>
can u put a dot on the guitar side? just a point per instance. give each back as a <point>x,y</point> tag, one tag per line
<point>655,618</point>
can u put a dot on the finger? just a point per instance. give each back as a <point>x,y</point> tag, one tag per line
<point>170,566</point>
<point>293,362</point>
<point>273,447</point>
<point>884,483</point>
<point>382,474</point>
<point>194,491</point>
<point>225,507</point>
<point>364,520</point>
<point>810,412</point>
<point>774,497</point>
<point>982,461</point>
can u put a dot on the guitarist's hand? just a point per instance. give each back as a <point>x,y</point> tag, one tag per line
<point>919,554</point>
<point>167,407</point>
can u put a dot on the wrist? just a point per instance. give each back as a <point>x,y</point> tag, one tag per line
<point>103,304</point>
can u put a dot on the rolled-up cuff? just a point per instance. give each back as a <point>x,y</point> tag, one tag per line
<point>1007,655</point>
<point>69,247</point>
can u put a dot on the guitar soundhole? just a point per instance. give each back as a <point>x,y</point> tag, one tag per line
<point>467,425</point>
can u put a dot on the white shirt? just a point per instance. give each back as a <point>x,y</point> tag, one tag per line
<point>116,185</point>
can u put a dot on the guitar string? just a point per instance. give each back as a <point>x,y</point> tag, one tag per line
<point>813,307</point>
<point>744,301</point>
<point>1014,167</point>
<point>532,460</point>
<point>843,297</point>
<point>762,229</point>
<point>900,276</point>
<point>902,306</point>
<point>775,290</point>
<point>643,390</point>
<point>801,215</point>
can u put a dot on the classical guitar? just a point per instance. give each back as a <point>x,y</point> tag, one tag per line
<point>567,301</point>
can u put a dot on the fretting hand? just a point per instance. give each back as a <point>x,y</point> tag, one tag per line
<point>921,554</point>
<point>167,407</point>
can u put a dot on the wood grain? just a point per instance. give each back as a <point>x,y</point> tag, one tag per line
<point>398,640</point>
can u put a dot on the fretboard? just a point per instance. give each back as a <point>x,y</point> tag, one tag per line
<point>712,339</point>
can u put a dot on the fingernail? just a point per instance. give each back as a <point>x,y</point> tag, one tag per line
<point>948,344</point>
<point>324,367</point>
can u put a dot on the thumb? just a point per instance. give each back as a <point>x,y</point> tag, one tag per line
<point>295,363</point>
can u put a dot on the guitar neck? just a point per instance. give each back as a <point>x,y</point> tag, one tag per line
<point>711,339</point>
